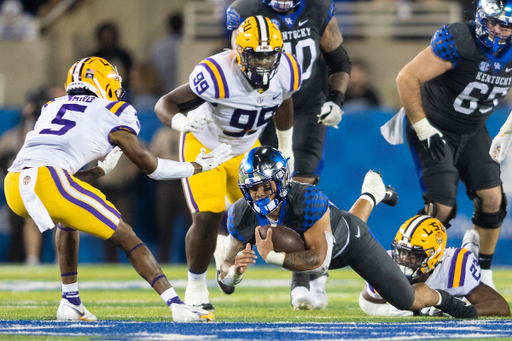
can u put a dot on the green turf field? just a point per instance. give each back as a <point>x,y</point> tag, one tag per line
<point>263,296</point>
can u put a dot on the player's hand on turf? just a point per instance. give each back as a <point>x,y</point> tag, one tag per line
<point>244,258</point>
<point>264,246</point>
<point>214,158</point>
<point>330,115</point>
<point>186,124</point>
<point>111,160</point>
<point>499,146</point>
<point>431,139</point>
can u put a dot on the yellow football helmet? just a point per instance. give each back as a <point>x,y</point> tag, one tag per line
<point>96,75</point>
<point>258,46</point>
<point>419,245</point>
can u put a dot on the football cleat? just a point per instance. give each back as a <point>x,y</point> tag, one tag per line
<point>301,299</point>
<point>391,197</point>
<point>70,312</point>
<point>317,290</point>
<point>187,313</point>
<point>455,307</point>
<point>227,289</point>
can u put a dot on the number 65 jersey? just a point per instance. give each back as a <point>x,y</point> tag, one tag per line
<point>74,130</point>
<point>239,112</point>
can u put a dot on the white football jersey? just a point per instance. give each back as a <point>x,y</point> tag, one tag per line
<point>74,130</point>
<point>458,274</point>
<point>239,112</point>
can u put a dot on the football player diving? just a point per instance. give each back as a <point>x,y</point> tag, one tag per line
<point>333,238</point>
<point>419,248</point>
<point>230,98</point>
<point>311,32</point>
<point>43,182</point>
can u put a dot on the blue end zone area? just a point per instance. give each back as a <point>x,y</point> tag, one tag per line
<point>128,330</point>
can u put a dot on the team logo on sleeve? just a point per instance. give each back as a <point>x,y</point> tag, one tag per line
<point>484,66</point>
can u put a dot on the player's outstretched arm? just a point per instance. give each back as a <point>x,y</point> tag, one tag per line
<point>170,107</point>
<point>379,307</point>
<point>237,260</point>
<point>162,169</point>
<point>104,167</point>
<point>488,302</point>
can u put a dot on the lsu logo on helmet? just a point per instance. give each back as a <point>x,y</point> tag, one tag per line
<point>97,76</point>
<point>419,245</point>
<point>258,46</point>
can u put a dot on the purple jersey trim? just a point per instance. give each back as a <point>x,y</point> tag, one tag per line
<point>214,79</point>
<point>126,128</point>
<point>79,203</point>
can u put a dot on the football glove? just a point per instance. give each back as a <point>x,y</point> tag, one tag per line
<point>111,160</point>
<point>499,146</point>
<point>431,139</point>
<point>185,124</point>
<point>330,115</point>
<point>215,158</point>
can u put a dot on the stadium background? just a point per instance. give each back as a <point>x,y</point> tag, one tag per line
<point>350,151</point>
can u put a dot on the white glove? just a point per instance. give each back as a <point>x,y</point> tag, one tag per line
<point>111,160</point>
<point>330,115</point>
<point>431,311</point>
<point>499,146</point>
<point>214,158</point>
<point>185,124</point>
<point>397,312</point>
<point>431,139</point>
<point>373,188</point>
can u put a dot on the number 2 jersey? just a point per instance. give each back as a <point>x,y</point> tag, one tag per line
<point>301,32</point>
<point>239,112</point>
<point>461,99</point>
<point>458,274</point>
<point>74,130</point>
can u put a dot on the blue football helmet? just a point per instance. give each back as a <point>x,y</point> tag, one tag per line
<point>259,166</point>
<point>281,6</point>
<point>493,10</point>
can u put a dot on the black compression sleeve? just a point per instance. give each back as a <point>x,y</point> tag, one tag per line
<point>338,60</point>
<point>192,104</point>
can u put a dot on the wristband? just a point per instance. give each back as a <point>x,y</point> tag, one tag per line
<point>337,97</point>
<point>177,121</point>
<point>232,278</point>
<point>276,258</point>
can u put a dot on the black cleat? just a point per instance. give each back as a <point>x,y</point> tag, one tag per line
<point>455,307</point>
<point>391,197</point>
<point>227,289</point>
<point>206,306</point>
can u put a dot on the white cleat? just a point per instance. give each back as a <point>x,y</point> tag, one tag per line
<point>70,312</point>
<point>317,290</point>
<point>186,313</point>
<point>487,278</point>
<point>301,299</point>
<point>471,241</point>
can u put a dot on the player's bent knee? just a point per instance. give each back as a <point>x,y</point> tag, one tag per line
<point>124,236</point>
<point>488,220</point>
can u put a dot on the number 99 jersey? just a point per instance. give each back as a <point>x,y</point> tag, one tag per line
<point>239,112</point>
<point>74,130</point>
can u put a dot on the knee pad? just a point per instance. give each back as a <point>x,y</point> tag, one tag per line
<point>430,209</point>
<point>488,220</point>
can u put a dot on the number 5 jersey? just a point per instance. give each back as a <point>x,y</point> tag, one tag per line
<point>74,130</point>
<point>239,112</point>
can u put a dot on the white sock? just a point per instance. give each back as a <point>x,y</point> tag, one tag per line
<point>192,277</point>
<point>170,296</point>
<point>70,287</point>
